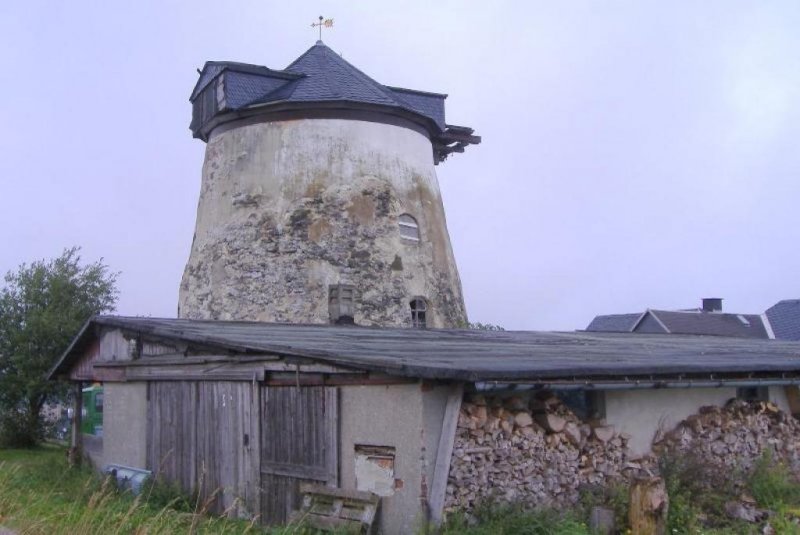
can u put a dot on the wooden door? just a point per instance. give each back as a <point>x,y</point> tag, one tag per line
<point>198,436</point>
<point>299,443</point>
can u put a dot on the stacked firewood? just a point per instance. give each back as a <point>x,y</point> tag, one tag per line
<point>538,453</point>
<point>534,452</point>
<point>737,435</point>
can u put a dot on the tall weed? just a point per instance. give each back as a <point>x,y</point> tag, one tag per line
<point>772,484</point>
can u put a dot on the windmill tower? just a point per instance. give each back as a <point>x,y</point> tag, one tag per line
<point>319,200</point>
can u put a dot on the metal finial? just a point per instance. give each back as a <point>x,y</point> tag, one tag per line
<point>328,23</point>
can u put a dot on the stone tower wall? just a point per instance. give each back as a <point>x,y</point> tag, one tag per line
<point>289,208</point>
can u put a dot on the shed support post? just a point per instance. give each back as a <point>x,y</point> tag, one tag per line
<point>76,446</point>
<point>444,453</point>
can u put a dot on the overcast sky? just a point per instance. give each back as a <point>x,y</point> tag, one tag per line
<point>635,154</point>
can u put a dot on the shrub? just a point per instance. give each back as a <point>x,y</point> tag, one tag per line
<point>698,489</point>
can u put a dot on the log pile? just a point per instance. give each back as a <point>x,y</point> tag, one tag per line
<point>737,435</point>
<point>533,452</point>
<point>539,453</point>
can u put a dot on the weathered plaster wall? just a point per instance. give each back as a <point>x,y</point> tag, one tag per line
<point>641,413</point>
<point>777,395</point>
<point>387,416</point>
<point>125,424</point>
<point>289,208</point>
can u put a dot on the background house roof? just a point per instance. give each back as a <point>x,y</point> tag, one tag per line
<point>470,355</point>
<point>712,323</point>
<point>784,317</point>
<point>704,321</point>
<point>614,323</point>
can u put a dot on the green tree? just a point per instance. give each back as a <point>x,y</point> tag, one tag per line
<point>478,326</point>
<point>42,306</point>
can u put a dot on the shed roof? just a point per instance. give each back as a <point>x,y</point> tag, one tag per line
<point>468,355</point>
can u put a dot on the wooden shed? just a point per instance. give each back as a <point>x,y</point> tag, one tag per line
<point>247,411</point>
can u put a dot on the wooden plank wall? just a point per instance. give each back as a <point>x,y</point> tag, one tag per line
<point>299,443</point>
<point>199,435</point>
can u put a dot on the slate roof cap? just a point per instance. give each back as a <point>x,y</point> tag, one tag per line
<point>322,75</point>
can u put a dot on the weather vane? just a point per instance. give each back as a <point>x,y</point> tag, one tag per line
<point>328,23</point>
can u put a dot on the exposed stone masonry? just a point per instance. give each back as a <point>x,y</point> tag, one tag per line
<point>288,210</point>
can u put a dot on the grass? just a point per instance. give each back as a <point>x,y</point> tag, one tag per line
<point>512,520</point>
<point>773,486</point>
<point>41,494</point>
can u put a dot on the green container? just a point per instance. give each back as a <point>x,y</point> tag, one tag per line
<point>92,413</point>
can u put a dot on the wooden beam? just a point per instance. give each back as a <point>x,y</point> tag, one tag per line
<point>341,379</point>
<point>444,453</point>
<point>449,137</point>
<point>255,446</point>
<point>270,363</point>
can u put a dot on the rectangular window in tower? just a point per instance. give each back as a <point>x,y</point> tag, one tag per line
<point>341,304</point>
<point>419,312</point>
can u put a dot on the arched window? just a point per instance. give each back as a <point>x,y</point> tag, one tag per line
<point>409,229</point>
<point>419,310</point>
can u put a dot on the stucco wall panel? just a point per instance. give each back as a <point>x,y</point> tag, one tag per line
<point>641,413</point>
<point>386,416</point>
<point>125,424</point>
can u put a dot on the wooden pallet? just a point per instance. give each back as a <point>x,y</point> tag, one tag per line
<point>332,509</point>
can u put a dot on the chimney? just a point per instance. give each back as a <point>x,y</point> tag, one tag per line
<point>712,304</point>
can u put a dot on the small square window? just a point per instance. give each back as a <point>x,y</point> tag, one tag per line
<point>419,311</point>
<point>341,304</point>
<point>753,393</point>
<point>588,405</point>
